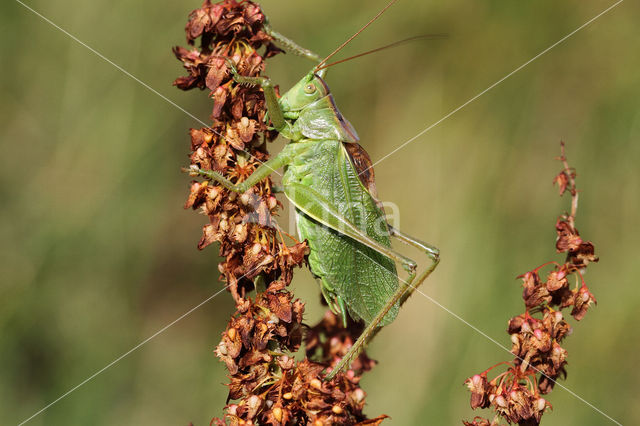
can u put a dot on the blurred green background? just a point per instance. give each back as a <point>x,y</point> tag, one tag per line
<point>97,254</point>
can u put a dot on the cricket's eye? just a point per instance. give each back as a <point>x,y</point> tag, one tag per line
<point>309,88</point>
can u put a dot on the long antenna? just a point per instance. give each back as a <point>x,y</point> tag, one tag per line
<point>388,46</point>
<point>356,34</point>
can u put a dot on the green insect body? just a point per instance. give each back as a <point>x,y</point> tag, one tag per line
<point>328,179</point>
<point>349,272</point>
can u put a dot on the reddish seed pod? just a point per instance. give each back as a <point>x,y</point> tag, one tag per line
<point>501,401</point>
<point>232,333</point>
<point>277,413</point>
<point>316,384</point>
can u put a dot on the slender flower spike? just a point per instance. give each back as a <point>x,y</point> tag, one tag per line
<point>235,144</point>
<point>515,394</point>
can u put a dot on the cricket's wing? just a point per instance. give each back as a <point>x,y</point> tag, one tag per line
<point>364,167</point>
<point>358,275</point>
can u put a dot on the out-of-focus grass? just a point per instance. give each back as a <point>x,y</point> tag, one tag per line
<point>97,254</point>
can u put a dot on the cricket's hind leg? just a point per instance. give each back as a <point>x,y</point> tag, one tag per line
<point>433,253</point>
<point>405,289</point>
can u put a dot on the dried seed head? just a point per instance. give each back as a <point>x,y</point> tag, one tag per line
<point>539,358</point>
<point>316,384</point>
<point>541,404</point>
<point>277,413</point>
<point>254,403</point>
<point>358,395</point>
<point>232,333</point>
<point>479,388</point>
<point>500,401</point>
<point>234,30</point>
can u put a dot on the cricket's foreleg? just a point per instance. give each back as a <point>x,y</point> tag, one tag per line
<point>290,45</point>
<point>258,174</point>
<point>270,97</point>
<point>405,289</point>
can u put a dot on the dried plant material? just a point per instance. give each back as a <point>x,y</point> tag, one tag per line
<point>235,145</point>
<point>515,394</point>
<point>272,388</point>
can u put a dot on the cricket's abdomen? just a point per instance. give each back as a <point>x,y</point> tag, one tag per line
<point>358,275</point>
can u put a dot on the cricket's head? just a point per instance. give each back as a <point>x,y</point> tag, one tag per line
<point>308,90</point>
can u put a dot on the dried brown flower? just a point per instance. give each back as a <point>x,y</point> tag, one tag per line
<point>328,342</point>
<point>479,421</point>
<point>272,387</point>
<point>515,394</point>
<point>235,145</point>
